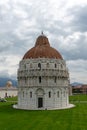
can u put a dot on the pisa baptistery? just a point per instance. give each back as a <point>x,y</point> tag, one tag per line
<point>43,78</point>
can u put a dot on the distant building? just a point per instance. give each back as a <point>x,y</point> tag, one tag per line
<point>43,78</point>
<point>79,89</point>
<point>84,89</point>
<point>8,90</point>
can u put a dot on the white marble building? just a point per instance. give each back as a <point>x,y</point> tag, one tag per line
<point>43,78</point>
<point>8,90</point>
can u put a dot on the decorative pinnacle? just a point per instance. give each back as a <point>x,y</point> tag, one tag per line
<point>42,33</point>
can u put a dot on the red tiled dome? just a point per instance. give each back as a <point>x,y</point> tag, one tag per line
<point>42,49</point>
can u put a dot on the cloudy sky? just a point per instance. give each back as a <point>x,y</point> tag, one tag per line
<point>64,22</point>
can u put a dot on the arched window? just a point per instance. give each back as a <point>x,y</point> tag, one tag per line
<point>24,66</point>
<point>23,93</point>
<point>58,94</point>
<point>30,65</point>
<point>39,79</point>
<point>30,94</point>
<point>61,66</point>
<point>55,79</point>
<point>39,65</point>
<point>64,93</point>
<point>55,66</point>
<point>25,80</point>
<point>49,94</point>
<point>47,65</point>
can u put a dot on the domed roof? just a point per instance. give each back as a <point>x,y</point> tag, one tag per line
<point>42,49</point>
<point>9,84</point>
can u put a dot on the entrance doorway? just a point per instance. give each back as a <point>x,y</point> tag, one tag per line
<point>40,102</point>
<point>5,94</point>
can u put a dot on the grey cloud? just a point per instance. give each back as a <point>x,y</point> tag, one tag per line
<point>2,60</point>
<point>79,20</point>
<point>22,21</point>
<point>78,70</point>
<point>5,45</point>
<point>77,65</point>
<point>75,48</point>
<point>4,73</point>
<point>23,36</point>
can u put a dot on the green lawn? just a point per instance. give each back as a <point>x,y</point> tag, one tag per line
<point>78,97</point>
<point>69,119</point>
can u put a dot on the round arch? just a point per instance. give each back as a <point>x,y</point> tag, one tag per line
<point>40,98</point>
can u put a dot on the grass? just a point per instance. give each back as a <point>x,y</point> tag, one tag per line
<point>11,99</point>
<point>68,119</point>
<point>80,97</point>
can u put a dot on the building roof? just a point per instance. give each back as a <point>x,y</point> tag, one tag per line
<point>42,49</point>
<point>7,88</point>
